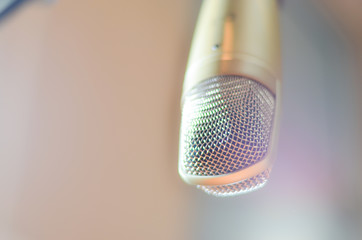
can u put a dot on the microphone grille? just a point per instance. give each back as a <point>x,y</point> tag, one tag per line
<point>233,189</point>
<point>226,125</point>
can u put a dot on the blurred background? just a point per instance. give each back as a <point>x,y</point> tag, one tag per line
<point>89,120</point>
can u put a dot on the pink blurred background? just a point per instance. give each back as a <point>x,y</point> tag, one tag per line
<point>89,118</point>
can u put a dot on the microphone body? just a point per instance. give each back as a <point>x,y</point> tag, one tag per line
<point>231,97</point>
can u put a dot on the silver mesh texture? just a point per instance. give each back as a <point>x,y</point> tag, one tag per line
<point>226,125</point>
<point>244,186</point>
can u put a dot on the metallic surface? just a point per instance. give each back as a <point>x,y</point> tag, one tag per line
<point>238,37</point>
<point>226,125</point>
<point>243,186</point>
<point>231,137</point>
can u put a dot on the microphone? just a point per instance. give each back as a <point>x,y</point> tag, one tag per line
<point>231,97</point>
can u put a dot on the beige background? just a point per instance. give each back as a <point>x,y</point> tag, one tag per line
<point>89,117</point>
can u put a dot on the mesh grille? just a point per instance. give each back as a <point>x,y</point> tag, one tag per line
<point>226,125</point>
<point>244,186</point>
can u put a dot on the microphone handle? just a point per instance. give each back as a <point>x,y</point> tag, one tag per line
<point>236,37</point>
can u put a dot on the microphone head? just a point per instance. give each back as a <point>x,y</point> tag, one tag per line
<point>226,130</point>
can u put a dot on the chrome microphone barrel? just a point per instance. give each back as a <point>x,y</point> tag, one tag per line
<point>231,97</point>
